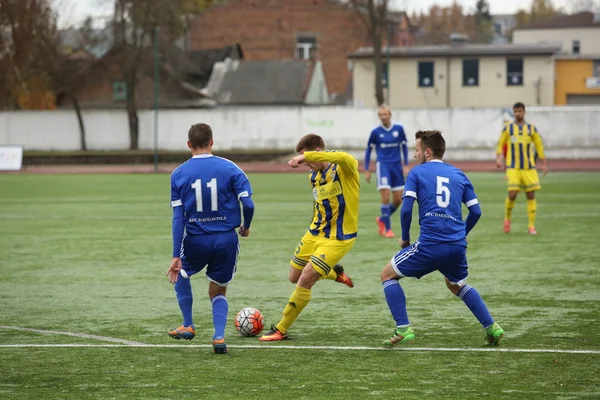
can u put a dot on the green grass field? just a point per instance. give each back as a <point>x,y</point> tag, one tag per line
<point>87,254</point>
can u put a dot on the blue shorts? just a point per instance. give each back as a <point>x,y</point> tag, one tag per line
<point>420,259</point>
<point>216,251</point>
<point>389,176</point>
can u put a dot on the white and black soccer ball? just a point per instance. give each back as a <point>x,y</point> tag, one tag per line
<point>249,322</point>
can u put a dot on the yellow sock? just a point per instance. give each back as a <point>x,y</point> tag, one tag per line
<point>298,301</point>
<point>508,207</point>
<point>531,209</point>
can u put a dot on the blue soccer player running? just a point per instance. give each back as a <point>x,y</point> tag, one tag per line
<point>389,142</point>
<point>440,190</point>
<point>205,195</point>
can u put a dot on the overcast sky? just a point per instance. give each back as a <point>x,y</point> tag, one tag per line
<point>74,11</point>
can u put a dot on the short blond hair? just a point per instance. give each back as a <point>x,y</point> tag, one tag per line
<point>385,107</point>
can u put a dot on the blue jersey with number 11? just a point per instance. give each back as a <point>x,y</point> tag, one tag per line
<point>209,188</point>
<point>440,190</point>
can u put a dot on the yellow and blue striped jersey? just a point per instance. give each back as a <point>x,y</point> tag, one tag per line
<point>520,141</point>
<point>336,194</point>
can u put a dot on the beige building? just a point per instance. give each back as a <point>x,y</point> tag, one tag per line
<point>577,34</point>
<point>459,76</point>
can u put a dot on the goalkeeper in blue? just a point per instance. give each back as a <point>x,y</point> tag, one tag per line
<point>440,190</point>
<point>206,192</point>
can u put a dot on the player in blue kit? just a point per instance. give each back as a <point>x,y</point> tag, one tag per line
<point>206,192</point>
<point>440,190</point>
<point>389,142</point>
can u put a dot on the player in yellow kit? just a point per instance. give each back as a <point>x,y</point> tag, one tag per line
<point>335,184</point>
<point>520,138</point>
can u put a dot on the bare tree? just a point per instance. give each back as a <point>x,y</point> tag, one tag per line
<point>67,70</point>
<point>540,11</point>
<point>584,5</point>
<point>23,24</point>
<point>134,25</point>
<point>374,13</point>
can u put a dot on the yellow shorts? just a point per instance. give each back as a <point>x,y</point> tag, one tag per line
<point>525,180</point>
<point>323,253</point>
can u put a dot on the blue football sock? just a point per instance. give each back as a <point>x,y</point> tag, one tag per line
<point>473,300</point>
<point>396,300</point>
<point>385,216</point>
<point>220,308</point>
<point>183,290</point>
<point>393,209</point>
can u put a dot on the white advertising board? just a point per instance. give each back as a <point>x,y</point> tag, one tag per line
<point>11,158</point>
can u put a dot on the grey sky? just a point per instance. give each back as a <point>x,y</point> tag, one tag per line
<point>74,11</point>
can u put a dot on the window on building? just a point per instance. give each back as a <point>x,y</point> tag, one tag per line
<point>596,68</point>
<point>498,28</point>
<point>470,72</point>
<point>426,70</point>
<point>576,47</point>
<point>305,47</point>
<point>119,91</point>
<point>514,72</point>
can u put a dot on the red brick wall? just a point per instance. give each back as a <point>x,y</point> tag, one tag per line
<point>267,29</point>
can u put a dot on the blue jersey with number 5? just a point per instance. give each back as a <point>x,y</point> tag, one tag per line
<point>209,188</point>
<point>440,190</point>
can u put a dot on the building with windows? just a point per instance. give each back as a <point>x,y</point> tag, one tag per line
<point>327,30</point>
<point>459,75</point>
<point>578,62</point>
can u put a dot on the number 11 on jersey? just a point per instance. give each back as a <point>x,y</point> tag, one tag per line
<point>214,199</point>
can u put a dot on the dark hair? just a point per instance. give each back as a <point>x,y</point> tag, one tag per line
<point>519,105</point>
<point>200,135</point>
<point>310,142</point>
<point>432,140</point>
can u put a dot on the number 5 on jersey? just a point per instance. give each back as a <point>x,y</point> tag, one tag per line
<point>214,198</point>
<point>442,193</point>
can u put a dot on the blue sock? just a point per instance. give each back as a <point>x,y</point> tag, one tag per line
<point>183,290</point>
<point>385,216</point>
<point>220,308</point>
<point>473,300</point>
<point>393,209</point>
<point>394,295</point>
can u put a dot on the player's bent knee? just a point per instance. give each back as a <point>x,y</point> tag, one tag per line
<point>309,276</point>
<point>454,288</point>
<point>215,289</point>
<point>388,273</point>
<point>294,274</point>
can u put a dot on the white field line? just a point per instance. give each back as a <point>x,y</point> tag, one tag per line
<point>130,343</point>
<point>73,334</point>
<point>287,347</point>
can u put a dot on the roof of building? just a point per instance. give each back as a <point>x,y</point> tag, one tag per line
<point>462,50</point>
<point>263,82</point>
<point>585,19</point>
<point>197,65</point>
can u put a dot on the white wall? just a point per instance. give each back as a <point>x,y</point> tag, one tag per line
<point>568,132</point>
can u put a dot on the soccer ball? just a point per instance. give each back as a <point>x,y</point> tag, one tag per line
<point>249,322</point>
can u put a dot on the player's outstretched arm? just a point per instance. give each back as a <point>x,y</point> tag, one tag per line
<point>177,228</point>
<point>503,141</point>
<point>472,217</point>
<point>539,149</point>
<point>405,158</point>
<point>368,151</point>
<point>406,220</point>
<point>248,213</point>
<point>339,157</point>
